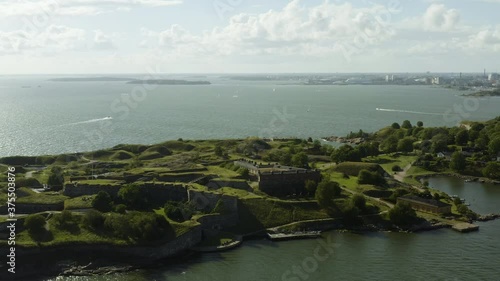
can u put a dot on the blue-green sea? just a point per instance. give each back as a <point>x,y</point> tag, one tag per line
<point>38,116</point>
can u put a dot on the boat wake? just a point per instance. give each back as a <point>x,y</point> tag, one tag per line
<point>90,121</point>
<point>408,111</point>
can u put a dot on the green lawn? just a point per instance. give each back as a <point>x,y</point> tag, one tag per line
<point>222,172</point>
<point>81,202</point>
<point>241,194</point>
<point>28,196</point>
<point>351,182</point>
<point>180,228</point>
<point>257,214</point>
<point>388,161</point>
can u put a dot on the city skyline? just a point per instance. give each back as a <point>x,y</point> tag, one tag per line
<point>222,36</point>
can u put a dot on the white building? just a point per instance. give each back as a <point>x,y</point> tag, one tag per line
<point>493,77</point>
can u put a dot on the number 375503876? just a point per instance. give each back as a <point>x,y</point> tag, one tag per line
<point>11,191</point>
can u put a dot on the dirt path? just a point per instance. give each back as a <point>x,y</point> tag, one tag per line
<point>399,176</point>
<point>372,198</point>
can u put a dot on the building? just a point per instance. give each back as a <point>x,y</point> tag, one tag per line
<point>493,77</point>
<point>426,205</point>
<point>275,179</point>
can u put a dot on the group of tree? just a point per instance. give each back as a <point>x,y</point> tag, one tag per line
<point>138,226</point>
<point>355,154</point>
<point>369,177</point>
<point>290,156</point>
<point>402,214</point>
<point>179,211</point>
<point>130,196</point>
<point>326,192</point>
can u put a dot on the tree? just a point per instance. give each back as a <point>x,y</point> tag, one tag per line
<point>396,168</point>
<point>93,220</point>
<point>420,124</point>
<point>311,187</point>
<point>56,178</point>
<point>244,172</point>
<point>35,224</point>
<point>102,202</point>
<point>390,144</point>
<point>494,146</point>
<point>326,192</point>
<point>65,220</point>
<point>368,177</point>
<point>300,160</point>
<point>458,162</point>
<point>402,214</point>
<point>316,145</point>
<point>405,144</point>
<point>436,196</point>
<point>462,137</point>
<point>395,126</point>
<point>359,201</point>
<point>406,124</point>
<point>492,170</point>
<point>218,150</point>
<point>462,209</point>
<point>178,211</point>
<point>133,196</point>
<point>350,213</point>
<point>120,208</point>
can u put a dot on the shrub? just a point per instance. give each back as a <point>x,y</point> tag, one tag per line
<point>326,192</point>
<point>402,214</point>
<point>93,220</point>
<point>359,201</point>
<point>178,211</point>
<point>367,177</point>
<point>396,168</point>
<point>121,208</point>
<point>35,224</point>
<point>102,202</point>
<point>65,220</point>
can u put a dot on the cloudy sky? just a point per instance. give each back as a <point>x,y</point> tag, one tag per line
<point>248,36</point>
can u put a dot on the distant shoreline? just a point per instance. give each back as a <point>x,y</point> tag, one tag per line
<point>488,93</point>
<point>130,80</point>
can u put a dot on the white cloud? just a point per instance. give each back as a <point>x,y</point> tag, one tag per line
<point>439,18</point>
<point>54,39</point>
<point>102,41</point>
<point>48,8</point>
<point>487,39</point>
<point>293,30</point>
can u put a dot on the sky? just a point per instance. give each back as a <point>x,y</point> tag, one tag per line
<point>248,36</point>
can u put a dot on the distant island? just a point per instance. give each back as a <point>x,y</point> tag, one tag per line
<point>130,80</point>
<point>89,79</point>
<point>168,82</point>
<point>488,93</point>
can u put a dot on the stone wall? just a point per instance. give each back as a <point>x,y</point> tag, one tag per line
<point>286,182</point>
<point>208,201</point>
<point>75,189</point>
<point>169,249</point>
<point>216,184</point>
<point>216,221</point>
<point>23,208</point>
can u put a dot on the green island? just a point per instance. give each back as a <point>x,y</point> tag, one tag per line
<point>487,93</point>
<point>158,201</point>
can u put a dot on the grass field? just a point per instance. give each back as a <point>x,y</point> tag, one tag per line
<point>388,161</point>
